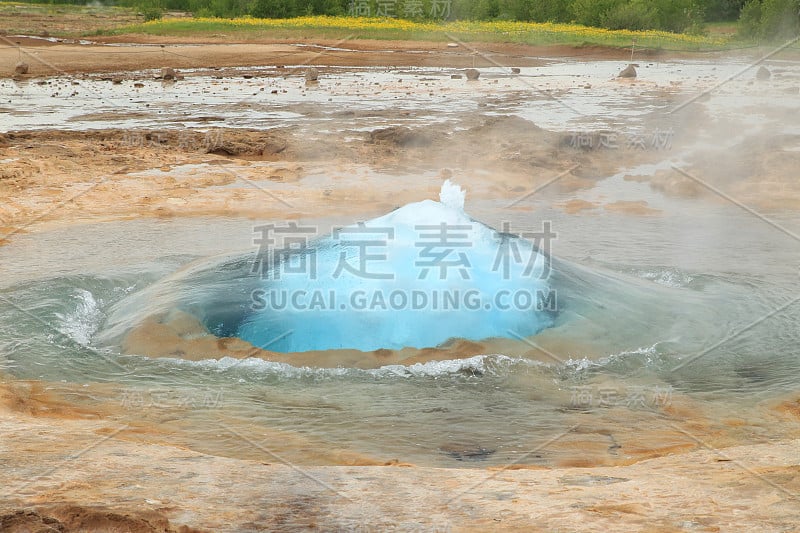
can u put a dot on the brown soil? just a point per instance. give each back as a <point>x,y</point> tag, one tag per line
<point>47,169</point>
<point>48,58</point>
<point>75,519</point>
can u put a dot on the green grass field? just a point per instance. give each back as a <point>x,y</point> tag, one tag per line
<point>398,29</point>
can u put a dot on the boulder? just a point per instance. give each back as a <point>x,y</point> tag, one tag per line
<point>628,72</point>
<point>472,74</point>
<point>21,68</point>
<point>168,73</point>
<point>763,73</point>
<point>399,136</point>
<point>312,74</point>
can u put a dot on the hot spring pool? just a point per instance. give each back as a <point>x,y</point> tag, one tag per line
<point>656,325</point>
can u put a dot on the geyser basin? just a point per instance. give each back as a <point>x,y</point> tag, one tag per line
<point>417,277</point>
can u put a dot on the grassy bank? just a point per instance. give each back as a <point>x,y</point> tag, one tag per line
<point>398,29</point>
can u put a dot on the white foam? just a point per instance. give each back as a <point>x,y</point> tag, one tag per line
<point>579,365</point>
<point>478,364</point>
<point>452,196</point>
<point>83,321</point>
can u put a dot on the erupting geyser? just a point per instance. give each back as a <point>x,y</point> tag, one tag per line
<point>415,277</point>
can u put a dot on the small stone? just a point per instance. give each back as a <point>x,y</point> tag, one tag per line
<point>515,70</point>
<point>456,76</point>
<point>628,72</point>
<point>116,81</point>
<point>138,85</point>
<point>466,451</point>
<point>21,68</point>
<point>472,74</point>
<point>763,73</point>
<point>312,74</point>
<point>167,73</point>
<point>452,45</point>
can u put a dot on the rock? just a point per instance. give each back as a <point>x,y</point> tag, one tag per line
<point>167,73</point>
<point>21,68</point>
<point>452,45</point>
<point>589,480</point>
<point>763,73</point>
<point>515,70</point>
<point>456,76</point>
<point>628,72</point>
<point>312,74</point>
<point>138,85</point>
<point>263,145</point>
<point>29,520</point>
<point>466,451</point>
<point>116,81</point>
<point>472,74</point>
<point>399,136</point>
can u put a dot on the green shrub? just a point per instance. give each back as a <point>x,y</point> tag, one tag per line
<point>547,10</point>
<point>276,9</point>
<point>678,15</point>
<point>152,13</point>
<point>770,20</point>
<point>750,19</point>
<point>592,12</point>
<point>630,16</point>
<point>780,19</point>
<point>722,10</point>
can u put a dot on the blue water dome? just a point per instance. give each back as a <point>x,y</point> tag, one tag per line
<point>416,277</point>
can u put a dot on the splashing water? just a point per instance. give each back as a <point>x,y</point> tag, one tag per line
<point>82,322</point>
<point>452,196</point>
